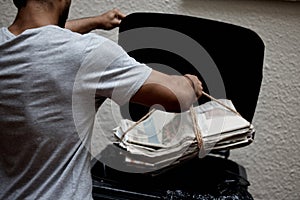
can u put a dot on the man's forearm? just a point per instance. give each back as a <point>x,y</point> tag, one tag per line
<point>83,25</point>
<point>106,21</point>
<point>173,93</point>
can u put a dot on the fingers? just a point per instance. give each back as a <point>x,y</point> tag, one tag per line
<point>196,84</point>
<point>110,19</point>
<point>118,14</point>
<point>116,17</point>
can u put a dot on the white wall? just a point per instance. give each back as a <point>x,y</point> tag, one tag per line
<point>272,161</point>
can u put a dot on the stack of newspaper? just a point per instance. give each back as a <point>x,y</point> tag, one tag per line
<point>165,138</point>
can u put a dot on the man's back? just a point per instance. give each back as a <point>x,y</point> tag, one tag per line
<point>36,80</point>
<point>39,140</point>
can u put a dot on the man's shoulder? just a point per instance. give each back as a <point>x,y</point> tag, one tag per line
<point>56,35</point>
<point>53,31</point>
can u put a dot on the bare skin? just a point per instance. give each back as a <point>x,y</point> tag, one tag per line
<point>106,21</point>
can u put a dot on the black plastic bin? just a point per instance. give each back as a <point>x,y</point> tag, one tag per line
<point>238,54</point>
<point>209,178</point>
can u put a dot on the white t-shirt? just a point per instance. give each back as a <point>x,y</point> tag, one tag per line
<point>49,80</point>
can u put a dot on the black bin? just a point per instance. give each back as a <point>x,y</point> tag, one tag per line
<point>236,54</point>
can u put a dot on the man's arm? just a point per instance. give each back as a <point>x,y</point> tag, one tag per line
<point>174,93</point>
<point>106,21</point>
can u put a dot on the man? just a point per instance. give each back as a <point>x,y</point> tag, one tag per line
<point>42,67</point>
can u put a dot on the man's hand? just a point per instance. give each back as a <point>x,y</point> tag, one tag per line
<point>195,83</point>
<point>110,19</point>
<point>106,21</point>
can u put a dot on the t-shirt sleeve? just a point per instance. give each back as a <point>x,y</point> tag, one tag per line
<point>112,73</point>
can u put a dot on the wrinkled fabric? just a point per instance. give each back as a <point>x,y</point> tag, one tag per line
<point>49,77</point>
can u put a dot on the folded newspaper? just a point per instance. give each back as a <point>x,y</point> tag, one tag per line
<point>165,138</point>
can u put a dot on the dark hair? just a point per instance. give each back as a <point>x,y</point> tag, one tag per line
<point>20,3</point>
